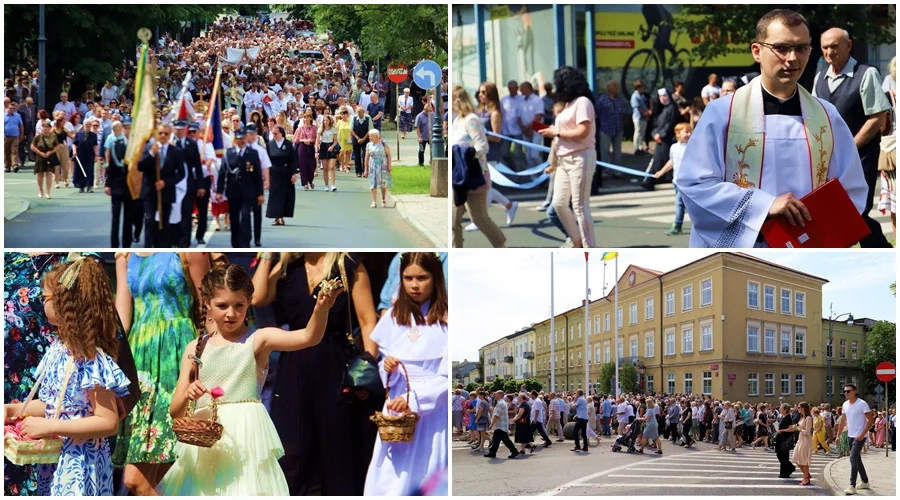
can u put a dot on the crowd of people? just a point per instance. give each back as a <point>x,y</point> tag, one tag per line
<point>597,123</point>
<point>639,422</point>
<point>294,401</point>
<point>305,105</point>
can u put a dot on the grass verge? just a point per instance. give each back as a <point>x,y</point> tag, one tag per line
<point>411,179</point>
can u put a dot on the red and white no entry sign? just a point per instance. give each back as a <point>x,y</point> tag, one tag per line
<point>885,371</point>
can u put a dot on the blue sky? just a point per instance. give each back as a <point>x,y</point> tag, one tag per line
<point>493,294</point>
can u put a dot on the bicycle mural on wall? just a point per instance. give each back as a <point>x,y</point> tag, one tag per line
<point>651,64</point>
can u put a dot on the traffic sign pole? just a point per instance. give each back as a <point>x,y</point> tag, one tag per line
<point>397,73</point>
<point>427,75</point>
<point>885,372</point>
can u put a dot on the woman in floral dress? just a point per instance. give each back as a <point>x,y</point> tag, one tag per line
<point>155,299</point>
<point>378,167</point>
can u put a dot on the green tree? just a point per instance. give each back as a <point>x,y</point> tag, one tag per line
<point>511,386</point>
<point>496,385</point>
<point>90,41</point>
<point>607,374</point>
<point>881,345</point>
<point>471,387</point>
<point>736,24</point>
<point>391,32</point>
<point>533,384</point>
<point>894,289</point>
<point>628,378</point>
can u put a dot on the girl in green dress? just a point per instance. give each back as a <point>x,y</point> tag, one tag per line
<point>843,442</point>
<point>155,298</point>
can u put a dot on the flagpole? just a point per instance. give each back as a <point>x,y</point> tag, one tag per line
<point>587,326</point>
<point>552,333</point>
<point>616,340</point>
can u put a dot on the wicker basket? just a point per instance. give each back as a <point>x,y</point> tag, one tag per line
<point>42,451</point>
<point>396,428</point>
<point>198,431</point>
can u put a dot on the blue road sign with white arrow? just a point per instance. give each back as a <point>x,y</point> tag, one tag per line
<point>427,74</point>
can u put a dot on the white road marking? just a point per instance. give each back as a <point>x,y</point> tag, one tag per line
<point>657,476</point>
<point>682,485</point>
<point>720,471</point>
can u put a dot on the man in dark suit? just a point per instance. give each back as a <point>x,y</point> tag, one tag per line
<point>117,188</point>
<point>29,117</point>
<point>203,188</point>
<point>171,170</point>
<point>240,178</point>
<point>194,178</point>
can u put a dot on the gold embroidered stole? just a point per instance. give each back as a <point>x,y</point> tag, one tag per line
<point>746,133</point>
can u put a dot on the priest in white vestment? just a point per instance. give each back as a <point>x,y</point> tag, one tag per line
<point>756,152</point>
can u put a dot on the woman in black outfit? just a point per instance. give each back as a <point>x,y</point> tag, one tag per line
<point>282,177</point>
<point>87,150</point>
<point>323,443</point>
<point>524,433</point>
<point>784,442</point>
<point>687,420</point>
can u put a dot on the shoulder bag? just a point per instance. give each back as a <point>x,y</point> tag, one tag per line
<point>361,371</point>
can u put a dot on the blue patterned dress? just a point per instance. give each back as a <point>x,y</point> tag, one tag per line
<point>379,177</point>
<point>85,467</point>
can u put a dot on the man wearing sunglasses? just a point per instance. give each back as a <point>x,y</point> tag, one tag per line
<point>855,90</point>
<point>858,419</point>
<point>756,152</point>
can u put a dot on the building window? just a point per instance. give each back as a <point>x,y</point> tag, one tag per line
<point>829,348</point>
<point>670,343</point>
<point>687,298</point>
<point>579,358</point>
<point>770,384</point>
<point>634,347</point>
<point>843,350</point>
<point>596,354</point>
<point>596,324</point>
<point>632,313</point>
<point>752,295</point>
<point>785,383</point>
<point>670,303</point>
<point>619,318</point>
<point>852,381</point>
<point>799,342</point>
<point>854,349</point>
<point>670,383</point>
<point>648,308</point>
<point>798,384</point>
<point>572,332</point>
<point>688,383</point>
<point>648,346</point>
<point>619,349</point>
<point>785,341</point>
<point>650,384</point>
<point>752,338</point>
<point>770,340</point>
<point>606,352</point>
<point>843,380</point>
<point>706,292</point>
<point>769,292</point>
<point>753,384</point>
<point>707,383</point>
<point>606,322</point>
<point>785,301</point>
<point>706,340</point>
<point>687,340</point>
<point>800,304</point>
<point>579,330</point>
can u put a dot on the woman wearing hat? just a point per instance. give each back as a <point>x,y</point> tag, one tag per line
<point>44,148</point>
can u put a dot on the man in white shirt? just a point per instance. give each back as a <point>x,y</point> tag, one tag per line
<point>711,90</point>
<point>622,411</point>
<point>500,424</point>
<point>252,101</point>
<point>532,109</point>
<point>65,105</point>
<point>365,97</point>
<point>538,416</point>
<point>858,419</point>
<point>511,153</point>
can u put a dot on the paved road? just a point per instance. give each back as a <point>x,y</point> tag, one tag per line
<point>697,471</point>
<point>321,219</point>
<point>624,219</point>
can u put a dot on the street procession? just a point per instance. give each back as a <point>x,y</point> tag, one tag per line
<point>279,132</point>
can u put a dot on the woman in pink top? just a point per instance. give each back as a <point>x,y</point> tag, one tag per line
<point>576,156</point>
<point>305,139</point>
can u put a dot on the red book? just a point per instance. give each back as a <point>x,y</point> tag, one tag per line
<point>536,126</point>
<point>835,222</point>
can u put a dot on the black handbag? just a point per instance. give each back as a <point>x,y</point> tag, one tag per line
<point>361,371</point>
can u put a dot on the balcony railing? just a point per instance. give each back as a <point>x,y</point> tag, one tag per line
<point>632,360</point>
<point>492,361</point>
<point>508,359</point>
<point>491,378</point>
<point>527,375</point>
<point>529,355</point>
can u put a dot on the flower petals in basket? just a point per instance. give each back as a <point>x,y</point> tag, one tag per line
<point>396,428</point>
<point>22,450</point>
<point>198,431</point>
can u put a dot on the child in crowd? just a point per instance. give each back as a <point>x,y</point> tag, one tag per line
<point>81,379</point>
<point>676,153</point>
<point>234,358</point>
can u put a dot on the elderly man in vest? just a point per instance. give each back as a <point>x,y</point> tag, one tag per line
<point>755,153</point>
<point>855,90</point>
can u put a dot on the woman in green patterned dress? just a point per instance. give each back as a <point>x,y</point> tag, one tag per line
<point>843,442</point>
<point>155,299</point>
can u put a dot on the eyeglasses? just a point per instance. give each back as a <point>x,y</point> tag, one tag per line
<point>784,50</point>
<point>846,391</point>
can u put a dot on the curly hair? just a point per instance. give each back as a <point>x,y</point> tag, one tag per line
<point>571,84</point>
<point>86,314</point>
<point>406,307</point>
<point>225,276</point>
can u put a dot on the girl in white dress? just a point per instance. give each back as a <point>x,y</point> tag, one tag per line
<point>414,332</point>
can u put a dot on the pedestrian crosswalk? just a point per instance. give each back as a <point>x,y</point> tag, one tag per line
<point>746,469</point>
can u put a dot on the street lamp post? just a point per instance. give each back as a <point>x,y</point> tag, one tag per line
<point>42,60</point>
<point>831,319</point>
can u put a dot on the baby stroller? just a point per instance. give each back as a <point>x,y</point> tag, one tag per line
<point>626,440</point>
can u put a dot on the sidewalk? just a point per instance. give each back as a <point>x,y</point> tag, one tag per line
<point>428,215</point>
<point>882,474</point>
<point>14,206</point>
